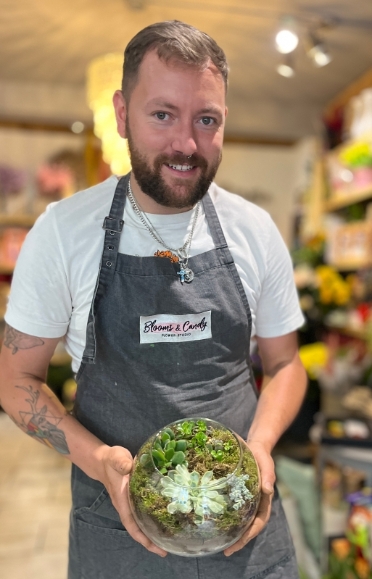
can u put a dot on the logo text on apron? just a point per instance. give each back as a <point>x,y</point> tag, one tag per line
<point>173,328</point>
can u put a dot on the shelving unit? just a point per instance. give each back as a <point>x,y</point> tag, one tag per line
<point>26,221</point>
<point>17,220</point>
<point>349,251</point>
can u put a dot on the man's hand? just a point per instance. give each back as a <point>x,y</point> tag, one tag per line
<point>266,467</point>
<point>117,464</point>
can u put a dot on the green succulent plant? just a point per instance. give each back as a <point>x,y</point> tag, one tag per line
<point>190,492</point>
<point>166,453</point>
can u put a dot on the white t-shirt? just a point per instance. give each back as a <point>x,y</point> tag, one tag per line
<point>56,272</point>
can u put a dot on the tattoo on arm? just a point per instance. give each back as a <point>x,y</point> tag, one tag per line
<point>13,339</point>
<point>40,424</point>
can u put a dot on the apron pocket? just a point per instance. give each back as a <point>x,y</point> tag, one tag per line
<point>100,550</point>
<point>106,553</point>
<point>102,508</point>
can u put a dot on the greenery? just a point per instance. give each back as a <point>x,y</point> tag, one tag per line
<point>195,479</point>
<point>358,154</point>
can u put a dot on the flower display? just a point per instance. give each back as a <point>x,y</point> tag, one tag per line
<point>357,154</point>
<point>11,180</point>
<point>195,487</point>
<point>314,357</point>
<point>322,289</point>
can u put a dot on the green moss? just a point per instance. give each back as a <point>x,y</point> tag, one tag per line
<point>228,520</point>
<point>249,466</point>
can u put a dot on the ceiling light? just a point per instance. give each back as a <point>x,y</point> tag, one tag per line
<point>318,52</point>
<point>285,68</point>
<point>286,39</point>
<point>77,127</point>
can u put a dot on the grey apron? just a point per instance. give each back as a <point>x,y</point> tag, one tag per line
<point>127,390</point>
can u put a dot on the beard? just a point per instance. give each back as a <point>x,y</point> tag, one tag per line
<point>183,194</point>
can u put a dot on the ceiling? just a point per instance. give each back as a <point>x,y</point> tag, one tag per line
<point>53,42</point>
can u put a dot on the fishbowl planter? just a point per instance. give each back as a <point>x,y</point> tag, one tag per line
<point>195,487</point>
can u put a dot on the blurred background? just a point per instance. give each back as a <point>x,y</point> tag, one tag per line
<point>298,143</point>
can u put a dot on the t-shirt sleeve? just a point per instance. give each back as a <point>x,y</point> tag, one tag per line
<point>40,301</point>
<point>278,310</point>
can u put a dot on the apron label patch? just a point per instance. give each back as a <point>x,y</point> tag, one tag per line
<point>172,328</point>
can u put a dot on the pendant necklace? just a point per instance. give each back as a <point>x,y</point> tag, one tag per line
<point>186,274</point>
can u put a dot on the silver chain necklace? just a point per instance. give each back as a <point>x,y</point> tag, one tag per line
<point>186,274</point>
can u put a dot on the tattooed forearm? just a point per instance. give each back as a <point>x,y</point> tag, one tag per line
<point>42,425</point>
<point>15,340</point>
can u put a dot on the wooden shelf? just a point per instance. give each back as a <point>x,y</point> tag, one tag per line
<point>351,265</point>
<point>17,220</point>
<point>6,269</point>
<point>360,334</point>
<point>341,200</point>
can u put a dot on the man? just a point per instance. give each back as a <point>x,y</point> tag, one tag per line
<point>167,245</point>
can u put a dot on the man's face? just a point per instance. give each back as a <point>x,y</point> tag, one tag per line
<point>174,123</point>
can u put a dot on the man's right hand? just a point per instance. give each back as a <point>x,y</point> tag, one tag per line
<point>117,465</point>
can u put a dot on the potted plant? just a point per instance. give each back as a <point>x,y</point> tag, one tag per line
<point>195,487</point>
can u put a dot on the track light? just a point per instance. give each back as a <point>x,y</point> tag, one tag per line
<point>317,51</point>
<point>285,67</point>
<point>286,39</point>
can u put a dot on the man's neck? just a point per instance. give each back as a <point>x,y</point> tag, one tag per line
<point>149,205</point>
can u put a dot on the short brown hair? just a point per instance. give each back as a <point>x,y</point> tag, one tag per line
<point>173,40</point>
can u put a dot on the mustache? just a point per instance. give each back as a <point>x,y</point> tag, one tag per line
<point>179,159</point>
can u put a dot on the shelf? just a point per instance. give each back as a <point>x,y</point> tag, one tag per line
<point>351,265</point>
<point>360,334</point>
<point>341,200</point>
<point>17,220</point>
<point>6,269</point>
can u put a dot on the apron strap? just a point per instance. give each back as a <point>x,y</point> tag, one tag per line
<point>113,225</point>
<point>223,251</point>
<point>226,258</point>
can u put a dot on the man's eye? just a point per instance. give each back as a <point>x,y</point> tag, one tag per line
<point>161,116</point>
<point>207,121</point>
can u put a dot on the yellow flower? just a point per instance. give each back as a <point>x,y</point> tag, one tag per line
<point>332,287</point>
<point>357,154</point>
<point>362,568</point>
<point>314,357</point>
<point>341,548</point>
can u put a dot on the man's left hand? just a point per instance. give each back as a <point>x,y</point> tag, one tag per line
<point>266,466</point>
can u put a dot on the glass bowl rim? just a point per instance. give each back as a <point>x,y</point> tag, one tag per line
<point>212,485</point>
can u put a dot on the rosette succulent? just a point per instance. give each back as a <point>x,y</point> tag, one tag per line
<point>189,491</point>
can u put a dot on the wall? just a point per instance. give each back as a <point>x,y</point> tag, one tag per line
<point>273,177</point>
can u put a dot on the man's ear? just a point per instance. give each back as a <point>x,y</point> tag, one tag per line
<point>120,112</point>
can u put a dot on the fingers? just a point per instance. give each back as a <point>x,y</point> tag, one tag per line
<point>265,464</point>
<point>260,521</point>
<point>119,463</point>
<point>120,460</point>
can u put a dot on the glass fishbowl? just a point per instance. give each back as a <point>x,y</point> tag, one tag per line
<point>195,487</point>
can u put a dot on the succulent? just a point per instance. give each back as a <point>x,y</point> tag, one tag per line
<point>189,491</point>
<point>166,453</point>
<point>239,493</point>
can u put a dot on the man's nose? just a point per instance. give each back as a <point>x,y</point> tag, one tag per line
<point>184,140</point>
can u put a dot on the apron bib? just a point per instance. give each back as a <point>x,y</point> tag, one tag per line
<point>157,351</point>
